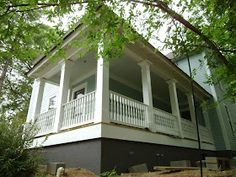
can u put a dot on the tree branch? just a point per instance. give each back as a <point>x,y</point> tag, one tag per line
<point>4,73</point>
<point>154,3</point>
<point>163,6</point>
<point>46,4</point>
<point>13,8</point>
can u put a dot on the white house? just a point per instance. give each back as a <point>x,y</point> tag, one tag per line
<point>132,110</point>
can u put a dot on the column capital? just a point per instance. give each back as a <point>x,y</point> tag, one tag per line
<point>144,63</point>
<point>188,94</point>
<point>66,62</point>
<point>171,81</point>
<point>40,79</point>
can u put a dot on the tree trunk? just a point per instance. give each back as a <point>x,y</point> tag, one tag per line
<point>4,74</point>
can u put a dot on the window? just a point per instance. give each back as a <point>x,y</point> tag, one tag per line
<point>185,115</point>
<point>52,103</point>
<point>79,91</point>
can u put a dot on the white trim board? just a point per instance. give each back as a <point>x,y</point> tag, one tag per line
<point>116,132</point>
<point>80,134</point>
<point>131,134</point>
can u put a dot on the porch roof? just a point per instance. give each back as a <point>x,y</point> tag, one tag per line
<point>142,48</point>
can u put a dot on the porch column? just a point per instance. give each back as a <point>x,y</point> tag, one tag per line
<point>101,113</point>
<point>191,107</point>
<point>147,92</point>
<point>63,93</point>
<point>174,103</point>
<point>207,121</point>
<point>36,99</point>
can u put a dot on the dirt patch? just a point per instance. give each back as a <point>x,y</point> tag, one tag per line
<point>186,173</point>
<point>80,172</point>
<point>77,172</point>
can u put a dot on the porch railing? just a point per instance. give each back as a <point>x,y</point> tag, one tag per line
<point>165,122</point>
<point>189,129</point>
<point>79,111</point>
<point>45,122</point>
<point>205,134</point>
<point>125,110</point>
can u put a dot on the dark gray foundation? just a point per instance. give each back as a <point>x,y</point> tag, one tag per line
<point>122,154</point>
<point>84,154</point>
<point>99,155</point>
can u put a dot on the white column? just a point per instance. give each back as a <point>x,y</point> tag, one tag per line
<point>63,93</point>
<point>174,103</point>
<point>36,99</point>
<point>191,107</point>
<point>147,92</point>
<point>102,90</point>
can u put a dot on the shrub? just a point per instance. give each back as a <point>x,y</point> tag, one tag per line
<point>15,139</point>
<point>112,173</point>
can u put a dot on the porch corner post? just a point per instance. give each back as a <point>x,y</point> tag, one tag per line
<point>191,107</point>
<point>147,92</point>
<point>36,99</point>
<point>101,113</point>
<point>174,103</point>
<point>63,94</point>
<point>207,121</point>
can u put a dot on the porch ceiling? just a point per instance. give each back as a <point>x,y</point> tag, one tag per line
<point>165,68</point>
<point>79,68</point>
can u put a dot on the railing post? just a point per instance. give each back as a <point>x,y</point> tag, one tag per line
<point>36,99</point>
<point>63,93</point>
<point>147,92</point>
<point>101,113</point>
<point>174,103</point>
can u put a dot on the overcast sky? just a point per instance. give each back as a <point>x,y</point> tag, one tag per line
<point>65,22</point>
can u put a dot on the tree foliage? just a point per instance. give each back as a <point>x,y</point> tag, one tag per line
<point>15,158</point>
<point>216,19</point>
<point>22,38</point>
<point>192,26</point>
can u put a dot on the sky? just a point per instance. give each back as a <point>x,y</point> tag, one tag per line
<point>67,20</point>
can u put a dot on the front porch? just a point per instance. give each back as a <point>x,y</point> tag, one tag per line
<point>129,92</point>
<point>123,111</point>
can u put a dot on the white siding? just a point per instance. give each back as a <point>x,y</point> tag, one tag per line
<point>200,75</point>
<point>50,91</point>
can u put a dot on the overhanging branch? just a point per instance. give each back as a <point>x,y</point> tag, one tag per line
<point>164,7</point>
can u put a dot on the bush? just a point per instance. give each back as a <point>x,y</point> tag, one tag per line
<point>112,173</point>
<point>15,139</point>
